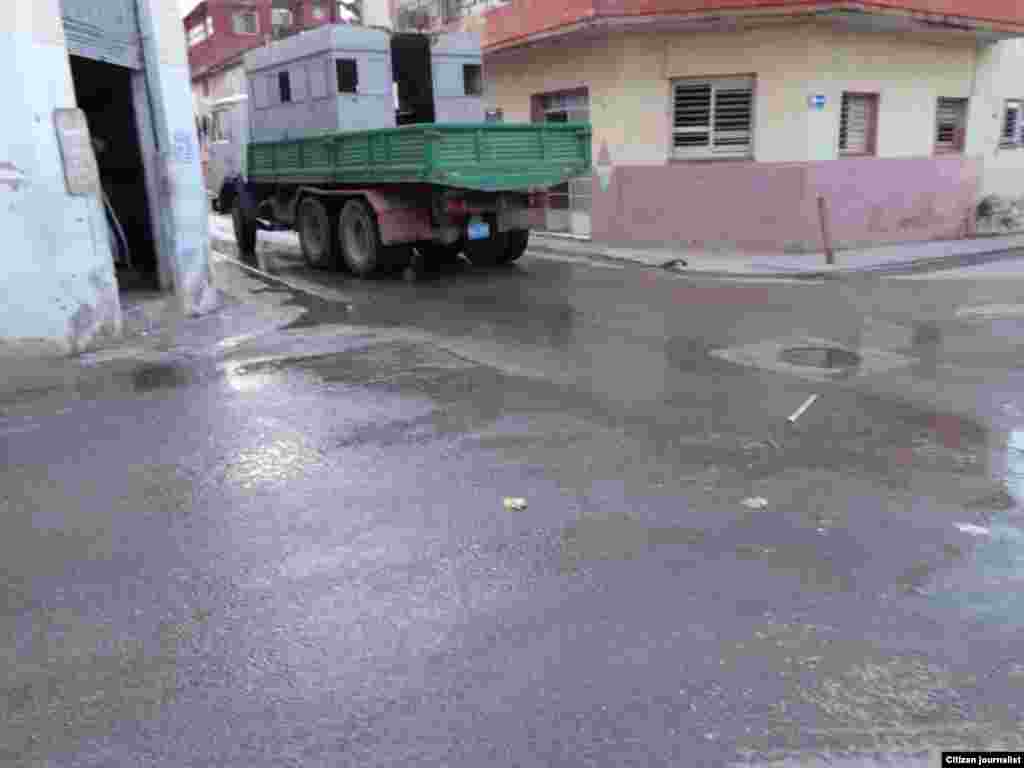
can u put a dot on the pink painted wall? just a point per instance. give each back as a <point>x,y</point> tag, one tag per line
<point>773,206</point>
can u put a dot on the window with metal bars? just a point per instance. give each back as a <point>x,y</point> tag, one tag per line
<point>1012,134</point>
<point>950,125</point>
<point>858,118</point>
<point>245,23</point>
<point>713,117</point>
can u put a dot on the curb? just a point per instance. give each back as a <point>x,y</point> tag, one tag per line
<point>930,264</point>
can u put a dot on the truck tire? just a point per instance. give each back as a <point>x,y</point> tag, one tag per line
<point>499,248</point>
<point>245,231</point>
<point>316,234</point>
<point>359,238</point>
<point>516,241</point>
<point>438,253</point>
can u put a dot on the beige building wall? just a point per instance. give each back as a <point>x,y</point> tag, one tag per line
<point>909,74</point>
<point>628,76</point>
<point>1000,76</point>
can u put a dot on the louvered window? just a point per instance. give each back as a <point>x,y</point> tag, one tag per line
<point>1013,125</point>
<point>857,119</point>
<point>950,125</point>
<point>713,117</point>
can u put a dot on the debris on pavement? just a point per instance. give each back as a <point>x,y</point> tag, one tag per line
<point>973,530</point>
<point>800,411</point>
<point>675,264</point>
<point>514,504</point>
<point>755,502</point>
<point>759,445</point>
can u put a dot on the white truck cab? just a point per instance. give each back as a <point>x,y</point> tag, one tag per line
<point>229,135</point>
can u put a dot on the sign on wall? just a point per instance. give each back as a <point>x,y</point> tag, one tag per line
<point>816,101</point>
<point>80,170</point>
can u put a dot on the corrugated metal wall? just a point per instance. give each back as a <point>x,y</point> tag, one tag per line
<point>105,30</point>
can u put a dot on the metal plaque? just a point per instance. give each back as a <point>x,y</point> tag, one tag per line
<point>81,173</point>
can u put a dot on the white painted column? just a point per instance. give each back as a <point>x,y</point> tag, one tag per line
<point>58,290</point>
<point>182,199</point>
<point>997,78</point>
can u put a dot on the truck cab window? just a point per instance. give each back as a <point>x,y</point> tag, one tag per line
<point>348,76</point>
<point>472,80</point>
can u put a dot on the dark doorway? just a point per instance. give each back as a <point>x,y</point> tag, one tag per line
<point>413,77</point>
<point>104,92</point>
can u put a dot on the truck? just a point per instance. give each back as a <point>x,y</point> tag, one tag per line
<point>373,146</point>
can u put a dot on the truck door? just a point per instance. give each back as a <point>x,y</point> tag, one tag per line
<point>458,78</point>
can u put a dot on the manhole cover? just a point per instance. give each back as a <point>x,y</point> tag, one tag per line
<point>827,358</point>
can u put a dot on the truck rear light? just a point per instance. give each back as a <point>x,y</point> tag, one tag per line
<point>455,205</point>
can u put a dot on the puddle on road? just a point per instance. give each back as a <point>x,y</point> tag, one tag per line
<point>988,585</point>
<point>618,536</point>
<point>154,376</point>
<point>376,363</point>
<point>824,357</point>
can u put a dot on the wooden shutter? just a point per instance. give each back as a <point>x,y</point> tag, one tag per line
<point>713,117</point>
<point>857,124</point>
<point>951,122</point>
<point>691,120</point>
<point>733,112</point>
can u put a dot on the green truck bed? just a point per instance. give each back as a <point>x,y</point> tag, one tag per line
<point>490,157</point>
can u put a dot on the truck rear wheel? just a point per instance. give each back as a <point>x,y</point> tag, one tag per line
<point>360,240</point>
<point>316,235</point>
<point>499,248</point>
<point>438,253</point>
<point>245,231</point>
<point>515,245</point>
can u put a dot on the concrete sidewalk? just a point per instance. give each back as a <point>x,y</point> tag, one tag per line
<point>889,259</point>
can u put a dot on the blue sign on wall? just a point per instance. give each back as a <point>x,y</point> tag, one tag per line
<point>816,101</point>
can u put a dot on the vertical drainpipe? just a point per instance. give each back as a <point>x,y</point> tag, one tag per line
<point>973,107</point>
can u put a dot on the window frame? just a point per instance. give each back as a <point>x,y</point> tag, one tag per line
<point>197,35</point>
<point>236,26</point>
<point>479,80</point>
<point>956,146</point>
<point>277,13</point>
<point>338,62</point>
<point>1017,141</point>
<point>871,138</point>
<point>710,151</point>
<point>284,87</point>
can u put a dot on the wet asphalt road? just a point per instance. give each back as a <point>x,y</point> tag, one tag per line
<point>279,539</point>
